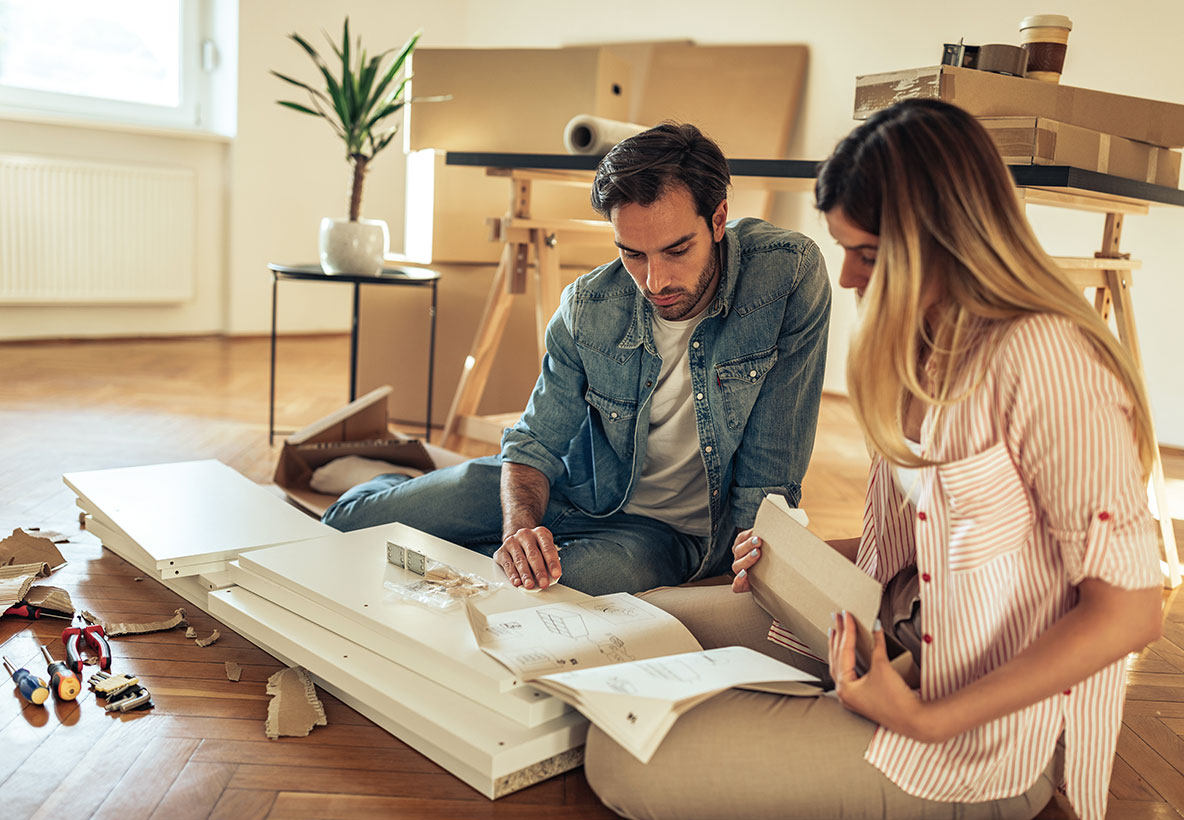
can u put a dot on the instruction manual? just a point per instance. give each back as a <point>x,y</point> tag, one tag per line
<point>628,666</point>
<point>801,580</point>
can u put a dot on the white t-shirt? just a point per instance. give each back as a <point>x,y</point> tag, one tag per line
<point>673,483</point>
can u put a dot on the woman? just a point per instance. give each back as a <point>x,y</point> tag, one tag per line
<point>1006,517</point>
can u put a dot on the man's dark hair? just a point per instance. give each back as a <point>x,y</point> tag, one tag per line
<point>643,168</point>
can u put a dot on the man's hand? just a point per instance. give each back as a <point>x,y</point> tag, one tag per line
<point>529,557</point>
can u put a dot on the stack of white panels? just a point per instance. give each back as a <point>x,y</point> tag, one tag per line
<point>186,519</point>
<point>317,598</point>
<point>415,671</point>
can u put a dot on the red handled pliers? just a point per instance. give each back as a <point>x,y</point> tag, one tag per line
<point>95,638</point>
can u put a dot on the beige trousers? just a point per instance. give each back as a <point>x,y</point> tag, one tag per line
<point>751,755</point>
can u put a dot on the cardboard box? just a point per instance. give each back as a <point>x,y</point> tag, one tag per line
<point>1041,141</point>
<point>358,429</point>
<point>995,95</point>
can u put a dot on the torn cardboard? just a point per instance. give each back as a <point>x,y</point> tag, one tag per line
<point>15,582</point>
<point>210,639</point>
<point>117,629</point>
<point>233,671</point>
<point>23,548</point>
<point>801,581</point>
<point>360,428</point>
<point>190,632</point>
<point>294,708</point>
<point>55,599</point>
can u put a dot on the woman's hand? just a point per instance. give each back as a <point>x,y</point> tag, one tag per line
<point>747,551</point>
<point>881,695</point>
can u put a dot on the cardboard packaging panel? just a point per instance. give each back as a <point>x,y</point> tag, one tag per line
<point>511,99</point>
<point>995,95</point>
<point>358,429</point>
<point>1041,141</point>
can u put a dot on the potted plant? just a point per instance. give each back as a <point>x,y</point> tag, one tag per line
<point>356,102</point>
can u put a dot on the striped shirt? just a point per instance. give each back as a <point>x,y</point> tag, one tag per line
<point>1037,487</point>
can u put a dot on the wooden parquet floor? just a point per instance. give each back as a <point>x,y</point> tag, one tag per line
<point>201,752</point>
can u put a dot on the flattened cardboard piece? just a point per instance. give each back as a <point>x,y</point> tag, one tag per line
<point>800,580</point>
<point>190,632</point>
<point>211,638</point>
<point>117,629</point>
<point>358,429</point>
<point>233,671</point>
<point>294,708</point>
<point>23,548</point>
<point>52,535</point>
<point>52,598</point>
<point>15,582</point>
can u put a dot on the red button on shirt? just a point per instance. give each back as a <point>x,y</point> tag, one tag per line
<point>1067,691</point>
<point>921,516</point>
<point>927,638</point>
<point>1103,516</point>
<point>925,577</point>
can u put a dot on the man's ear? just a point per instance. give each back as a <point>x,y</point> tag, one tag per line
<point>718,220</point>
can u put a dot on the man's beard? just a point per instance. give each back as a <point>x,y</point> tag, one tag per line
<point>689,298</point>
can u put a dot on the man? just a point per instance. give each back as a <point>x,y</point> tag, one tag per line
<point>680,385</point>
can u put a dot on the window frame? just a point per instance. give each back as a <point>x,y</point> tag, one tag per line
<point>191,113</point>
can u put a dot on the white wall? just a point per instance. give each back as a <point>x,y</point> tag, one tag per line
<point>1128,49</point>
<point>288,170</point>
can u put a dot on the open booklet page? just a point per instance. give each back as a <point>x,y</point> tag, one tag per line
<point>801,580</point>
<point>628,666</point>
<point>557,637</point>
<point>636,703</point>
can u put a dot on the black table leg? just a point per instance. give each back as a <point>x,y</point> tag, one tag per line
<point>353,346</point>
<point>275,281</point>
<point>427,425</point>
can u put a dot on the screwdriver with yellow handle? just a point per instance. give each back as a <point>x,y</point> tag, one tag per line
<point>32,688</point>
<point>62,680</point>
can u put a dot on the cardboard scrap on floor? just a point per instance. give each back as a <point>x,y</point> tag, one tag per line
<point>54,599</point>
<point>117,629</point>
<point>233,671</point>
<point>16,580</point>
<point>23,548</point>
<point>204,642</point>
<point>190,632</point>
<point>294,708</point>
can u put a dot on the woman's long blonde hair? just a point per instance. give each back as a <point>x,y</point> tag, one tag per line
<point>926,178</point>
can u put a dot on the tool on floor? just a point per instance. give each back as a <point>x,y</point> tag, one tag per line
<point>121,692</point>
<point>62,680</point>
<point>34,612</point>
<point>31,687</point>
<point>95,638</point>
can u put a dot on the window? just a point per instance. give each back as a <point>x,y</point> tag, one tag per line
<point>138,61</point>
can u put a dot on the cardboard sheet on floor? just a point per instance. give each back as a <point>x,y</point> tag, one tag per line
<point>193,512</point>
<point>294,709</point>
<point>55,599</point>
<point>114,630</point>
<point>25,548</point>
<point>15,582</point>
<point>492,754</point>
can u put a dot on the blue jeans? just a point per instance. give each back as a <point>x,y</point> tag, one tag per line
<point>617,553</point>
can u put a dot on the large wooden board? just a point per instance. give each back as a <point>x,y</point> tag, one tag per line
<point>191,512</point>
<point>492,754</point>
<point>344,574</point>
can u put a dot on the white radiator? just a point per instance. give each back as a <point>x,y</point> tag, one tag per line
<point>95,233</point>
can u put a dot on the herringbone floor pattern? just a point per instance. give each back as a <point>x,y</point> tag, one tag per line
<point>201,752</point>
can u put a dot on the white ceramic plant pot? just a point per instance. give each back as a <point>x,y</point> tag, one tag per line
<point>353,247</point>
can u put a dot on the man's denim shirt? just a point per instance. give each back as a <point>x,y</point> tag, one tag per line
<point>756,361</point>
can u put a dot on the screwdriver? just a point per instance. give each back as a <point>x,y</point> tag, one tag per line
<point>32,688</point>
<point>64,682</point>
